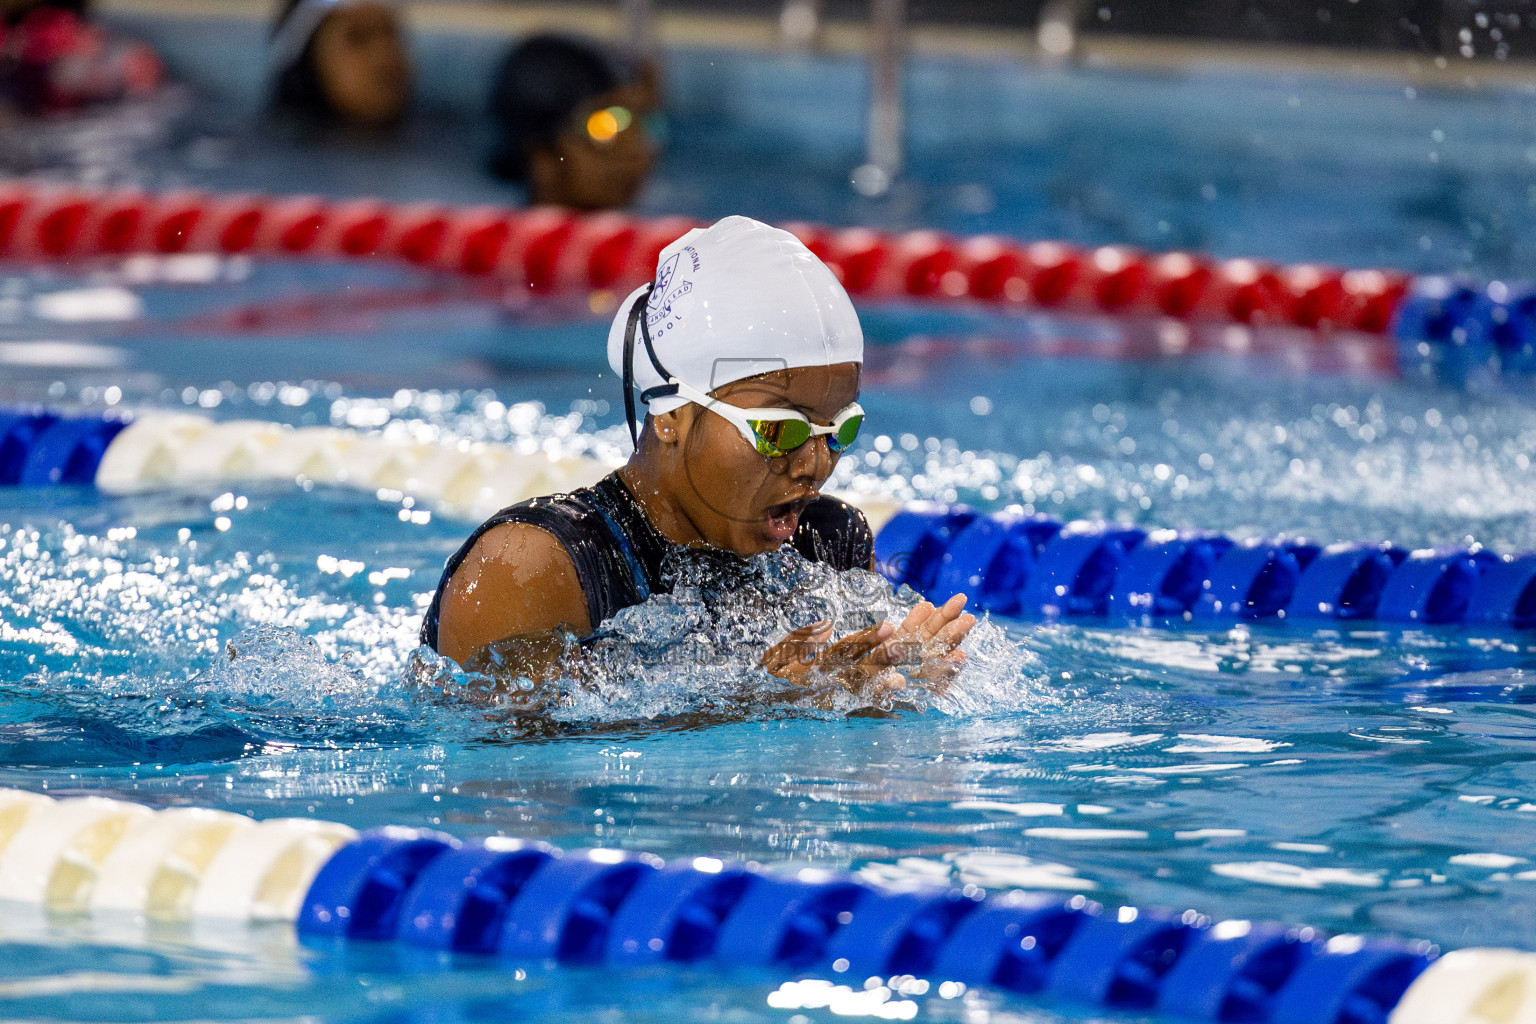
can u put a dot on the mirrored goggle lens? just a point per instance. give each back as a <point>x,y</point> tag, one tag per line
<point>846,434</point>
<point>776,437</point>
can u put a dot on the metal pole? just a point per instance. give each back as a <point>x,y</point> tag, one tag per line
<point>885,139</point>
<point>639,25</point>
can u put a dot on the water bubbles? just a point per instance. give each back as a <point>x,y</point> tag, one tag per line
<point>665,619</point>
<point>274,667</point>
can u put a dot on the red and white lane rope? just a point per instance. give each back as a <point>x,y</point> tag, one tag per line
<point>550,250</point>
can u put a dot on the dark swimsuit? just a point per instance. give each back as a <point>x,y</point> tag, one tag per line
<point>618,553</point>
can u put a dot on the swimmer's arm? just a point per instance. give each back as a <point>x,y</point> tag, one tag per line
<point>517,580</point>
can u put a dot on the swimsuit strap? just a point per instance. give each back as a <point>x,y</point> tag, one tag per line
<point>643,546</point>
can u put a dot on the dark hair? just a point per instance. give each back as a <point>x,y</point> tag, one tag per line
<point>298,85</point>
<point>539,86</point>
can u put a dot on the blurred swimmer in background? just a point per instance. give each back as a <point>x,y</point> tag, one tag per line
<point>340,60</point>
<point>53,59</point>
<point>571,122</point>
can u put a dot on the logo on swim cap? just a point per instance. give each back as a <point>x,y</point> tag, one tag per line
<point>666,308</point>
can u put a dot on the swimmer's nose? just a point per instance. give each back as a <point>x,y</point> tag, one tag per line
<point>811,461</point>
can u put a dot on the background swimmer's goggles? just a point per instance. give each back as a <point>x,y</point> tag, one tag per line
<point>603,126</point>
<point>777,432</point>
<point>606,125</point>
<point>772,432</point>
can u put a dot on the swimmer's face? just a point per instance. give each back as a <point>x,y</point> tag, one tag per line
<point>742,501</point>
<point>601,169</point>
<point>361,63</point>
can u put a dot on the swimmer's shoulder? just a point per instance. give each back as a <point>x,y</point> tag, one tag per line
<point>517,578</point>
<point>836,533</point>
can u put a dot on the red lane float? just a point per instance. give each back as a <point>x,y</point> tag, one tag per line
<point>550,250</point>
<point>1178,281</point>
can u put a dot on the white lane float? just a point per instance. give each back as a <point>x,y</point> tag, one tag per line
<point>54,858</point>
<point>160,451</point>
<point>1473,986</point>
<point>112,859</point>
<point>264,874</point>
<point>156,869</point>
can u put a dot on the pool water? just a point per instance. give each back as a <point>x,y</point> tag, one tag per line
<point>254,649</point>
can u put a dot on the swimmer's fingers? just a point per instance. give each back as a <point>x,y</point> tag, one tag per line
<point>888,682</point>
<point>900,649</point>
<point>854,647</point>
<point>794,655</point>
<point>875,685</point>
<point>919,614</point>
<point>951,636</point>
<point>942,660</point>
<point>943,618</point>
<point>937,673</point>
<point>906,645</point>
<point>797,652</point>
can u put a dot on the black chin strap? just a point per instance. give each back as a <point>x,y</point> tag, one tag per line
<point>637,318</point>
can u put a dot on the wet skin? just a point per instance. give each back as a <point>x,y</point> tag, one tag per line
<point>584,173</point>
<point>700,483</point>
<point>360,60</point>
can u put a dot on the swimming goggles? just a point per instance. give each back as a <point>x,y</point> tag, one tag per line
<point>777,432</point>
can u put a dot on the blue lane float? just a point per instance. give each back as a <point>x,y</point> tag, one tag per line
<point>1129,576</point>
<point>785,923</point>
<point>1455,330</point>
<point>1165,575</point>
<point>459,901</point>
<point>1234,973</point>
<point>628,910</point>
<point>1345,581</point>
<point>43,449</point>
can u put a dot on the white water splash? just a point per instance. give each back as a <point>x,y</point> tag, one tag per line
<point>698,649</point>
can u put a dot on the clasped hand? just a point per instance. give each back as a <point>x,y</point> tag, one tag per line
<point>883,659</point>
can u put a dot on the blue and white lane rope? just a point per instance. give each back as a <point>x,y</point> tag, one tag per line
<point>527,902</point>
<point>162,450</point>
<point>1032,567</point>
<point>1010,564</point>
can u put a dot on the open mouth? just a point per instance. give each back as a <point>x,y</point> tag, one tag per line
<point>784,517</point>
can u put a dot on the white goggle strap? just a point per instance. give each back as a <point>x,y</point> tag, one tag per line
<point>293,35</point>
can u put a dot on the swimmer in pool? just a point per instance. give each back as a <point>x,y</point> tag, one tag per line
<point>748,354</point>
<point>571,116</point>
<point>341,60</point>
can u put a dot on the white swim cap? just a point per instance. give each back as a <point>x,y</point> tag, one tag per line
<point>294,31</point>
<point>731,301</point>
